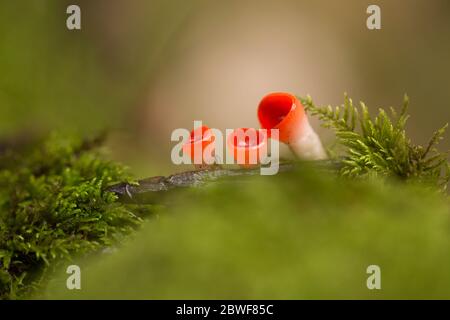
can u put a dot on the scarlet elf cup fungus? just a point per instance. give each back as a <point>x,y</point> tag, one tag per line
<point>247,145</point>
<point>283,111</point>
<point>200,147</point>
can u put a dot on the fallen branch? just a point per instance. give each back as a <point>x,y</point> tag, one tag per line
<point>151,190</point>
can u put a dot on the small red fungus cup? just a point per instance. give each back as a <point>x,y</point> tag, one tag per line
<point>284,112</point>
<point>200,140</point>
<point>247,145</point>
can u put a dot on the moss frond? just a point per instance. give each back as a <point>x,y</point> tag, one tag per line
<point>380,145</point>
<point>52,207</point>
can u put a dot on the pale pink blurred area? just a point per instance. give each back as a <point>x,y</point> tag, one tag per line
<point>140,69</point>
<point>229,56</point>
<point>179,61</point>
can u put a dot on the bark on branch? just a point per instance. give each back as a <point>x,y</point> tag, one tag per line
<point>151,190</point>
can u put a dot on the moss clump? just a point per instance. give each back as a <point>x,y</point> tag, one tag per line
<point>52,207</point>
<point>380,146</point>
<point>297,235</point>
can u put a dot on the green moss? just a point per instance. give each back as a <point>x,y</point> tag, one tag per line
<point>296,235</point>
<point>380,146</point>
<point>303,234</point>
<point>52,207</point>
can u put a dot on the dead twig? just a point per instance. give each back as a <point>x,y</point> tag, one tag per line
<point>150,190</point>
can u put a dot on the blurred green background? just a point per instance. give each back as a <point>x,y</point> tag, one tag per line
<point>144,68</point>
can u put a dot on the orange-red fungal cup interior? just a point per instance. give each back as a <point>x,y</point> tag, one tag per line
<point>247,145</point>
<point>199,139</point>
<point>282,111</point>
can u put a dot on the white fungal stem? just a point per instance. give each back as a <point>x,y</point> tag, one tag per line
<point>306,144</point>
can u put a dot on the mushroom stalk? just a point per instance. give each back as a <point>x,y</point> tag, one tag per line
<point>306,144</point>
<point>283,111</point>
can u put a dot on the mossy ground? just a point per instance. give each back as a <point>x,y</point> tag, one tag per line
<point>53,206</point>
<point>298,235</point>
<point>305,234</point>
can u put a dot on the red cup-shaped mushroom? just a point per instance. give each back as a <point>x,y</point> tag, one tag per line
<point>284,112</point>
<point>200,147</point>
<point>247,145</point>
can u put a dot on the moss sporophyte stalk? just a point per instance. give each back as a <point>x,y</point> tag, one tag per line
<point>60,198</point>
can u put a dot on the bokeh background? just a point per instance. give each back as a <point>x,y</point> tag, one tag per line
<point>143,68</point>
